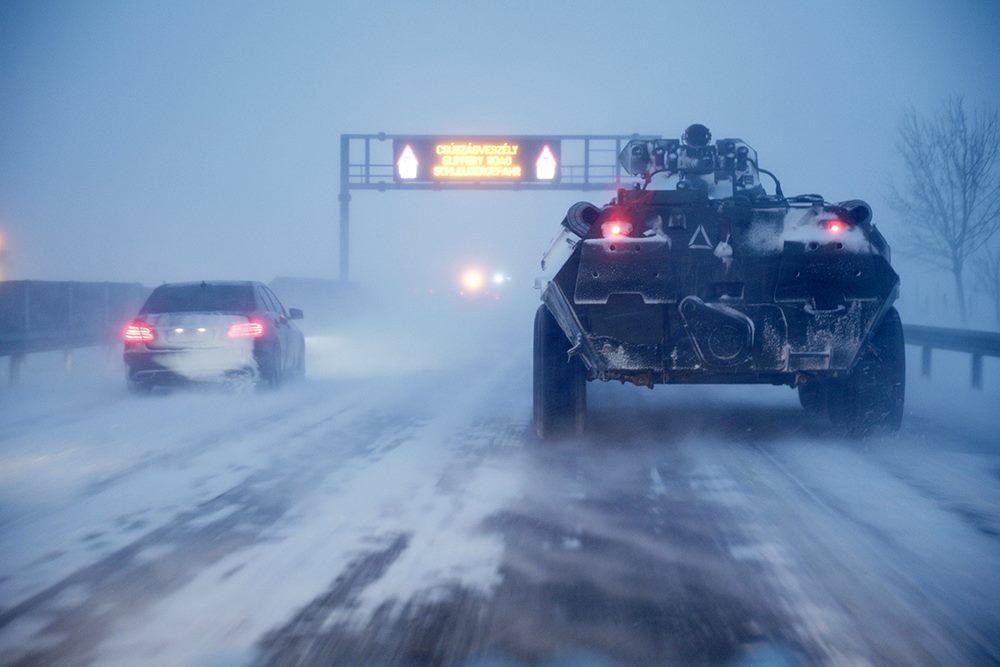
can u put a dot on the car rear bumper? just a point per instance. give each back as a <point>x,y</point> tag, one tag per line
<point>189,366</point>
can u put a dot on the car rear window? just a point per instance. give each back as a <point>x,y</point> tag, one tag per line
<point>204,298</point>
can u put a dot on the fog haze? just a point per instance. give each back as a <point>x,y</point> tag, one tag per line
<point>155,142</point>
<point>410,475</point>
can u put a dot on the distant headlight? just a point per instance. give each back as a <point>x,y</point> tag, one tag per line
<point>473,280</point>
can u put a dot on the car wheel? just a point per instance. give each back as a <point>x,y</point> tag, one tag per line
<point>560,381</point>
<point>272,372</point>
<point>870,400</point>
<point>300,365</point>
<point>278,373</point>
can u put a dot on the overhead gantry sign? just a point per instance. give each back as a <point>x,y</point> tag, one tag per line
<point>477,159</point>
<point>474,162</point>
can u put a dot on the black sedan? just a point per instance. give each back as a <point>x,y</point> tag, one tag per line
<point>235,332</point>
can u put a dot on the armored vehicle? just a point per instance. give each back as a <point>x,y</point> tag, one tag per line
<point>698,274</point>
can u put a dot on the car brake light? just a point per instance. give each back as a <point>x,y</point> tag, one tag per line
<point>615,229</point>
<point>836,226</point>
<point>251,329</point>
<point>137,331</point>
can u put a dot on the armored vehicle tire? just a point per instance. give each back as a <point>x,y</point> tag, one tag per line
<point>812,396</point>
<point>560,381</point>
<point>870,400</point>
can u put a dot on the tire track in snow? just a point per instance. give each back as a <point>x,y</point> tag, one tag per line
<point>944,633</point>
<point>141,493</point>
<point>431,483</point>
<point>137,575</point>
<point>304,635</point>
<point>379,619</point>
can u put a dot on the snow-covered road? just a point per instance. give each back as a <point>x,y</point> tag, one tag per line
<point>394,508</point>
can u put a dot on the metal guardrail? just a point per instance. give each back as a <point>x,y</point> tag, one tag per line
<point>45,316</point>
<point>978,344</point>
<point>51,316</point>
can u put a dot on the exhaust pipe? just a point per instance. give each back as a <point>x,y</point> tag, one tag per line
<point>857,210</point>
<point>580,217</point>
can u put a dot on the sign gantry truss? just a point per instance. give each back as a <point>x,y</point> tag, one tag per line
<point>474,162</point>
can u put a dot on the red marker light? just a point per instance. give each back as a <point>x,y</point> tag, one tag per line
<point>835,226</point>
<point>137,331</point>
<point>615,229</point>
<point>251,329</point>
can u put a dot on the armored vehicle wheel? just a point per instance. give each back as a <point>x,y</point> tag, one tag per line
<point>560,382</point>
<point>812,396</point>
<point>870,400</point>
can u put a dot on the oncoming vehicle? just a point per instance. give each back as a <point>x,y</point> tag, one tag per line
<point>212,331</point>
<point>475,282</point>
<point>698,275</point>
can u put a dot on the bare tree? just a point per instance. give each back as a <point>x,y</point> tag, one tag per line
<point>987,267</point>
<point>950,196</point>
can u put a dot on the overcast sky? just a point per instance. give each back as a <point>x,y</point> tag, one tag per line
<point>177,140</point>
